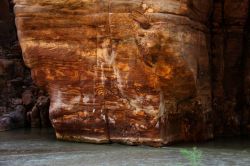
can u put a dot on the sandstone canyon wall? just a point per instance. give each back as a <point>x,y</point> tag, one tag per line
<point>121,71</point>
<point>139,72</point>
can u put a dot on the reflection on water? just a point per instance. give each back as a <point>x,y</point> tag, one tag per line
<point>39,147</point>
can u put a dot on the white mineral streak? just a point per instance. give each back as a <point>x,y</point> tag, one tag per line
<point>119,80</point>
<point>102,75</point>
<point>59,102</point>
<point>103,116</point>
<point>43,44</point>
<point>85,99</point>
<point>111,120</point>
<point>136,104</point>
<point>150,110</point>
<point>144,6</point>
<point>111,58</point>
<point>143,127</point>
<point>157,125</point>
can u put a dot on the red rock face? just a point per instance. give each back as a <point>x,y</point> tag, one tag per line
<point>120,71</point>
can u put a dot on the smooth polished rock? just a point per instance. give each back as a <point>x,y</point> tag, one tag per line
<point>134,72</point>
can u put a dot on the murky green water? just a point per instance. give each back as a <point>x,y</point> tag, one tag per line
<point>39,147</point>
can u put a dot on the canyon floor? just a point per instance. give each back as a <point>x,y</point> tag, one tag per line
<point>40,147</point>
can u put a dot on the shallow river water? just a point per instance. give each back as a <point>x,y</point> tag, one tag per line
<point>39,147</point>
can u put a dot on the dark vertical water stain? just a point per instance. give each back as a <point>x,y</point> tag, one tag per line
<point>210,37</point>
<point>241,96</point>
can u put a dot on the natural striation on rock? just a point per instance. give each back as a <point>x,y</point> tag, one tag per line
<point>129,71</point>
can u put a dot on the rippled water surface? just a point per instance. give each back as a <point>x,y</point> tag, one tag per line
<point>39,147</point>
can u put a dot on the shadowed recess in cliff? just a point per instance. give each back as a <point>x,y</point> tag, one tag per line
<point>229,47</point>
<point>22,104</point>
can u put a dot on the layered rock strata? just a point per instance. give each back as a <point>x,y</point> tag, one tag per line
<point>134,72</point>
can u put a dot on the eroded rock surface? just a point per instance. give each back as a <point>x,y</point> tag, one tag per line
<point>18,94</point>
<point>122,71</point>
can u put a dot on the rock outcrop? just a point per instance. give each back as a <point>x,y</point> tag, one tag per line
<point>229,55</point>
<point>14,119</point>
<point>18,94</point>
<point>39,115</point>
<point>135,72</point>
<point>138,72</point>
